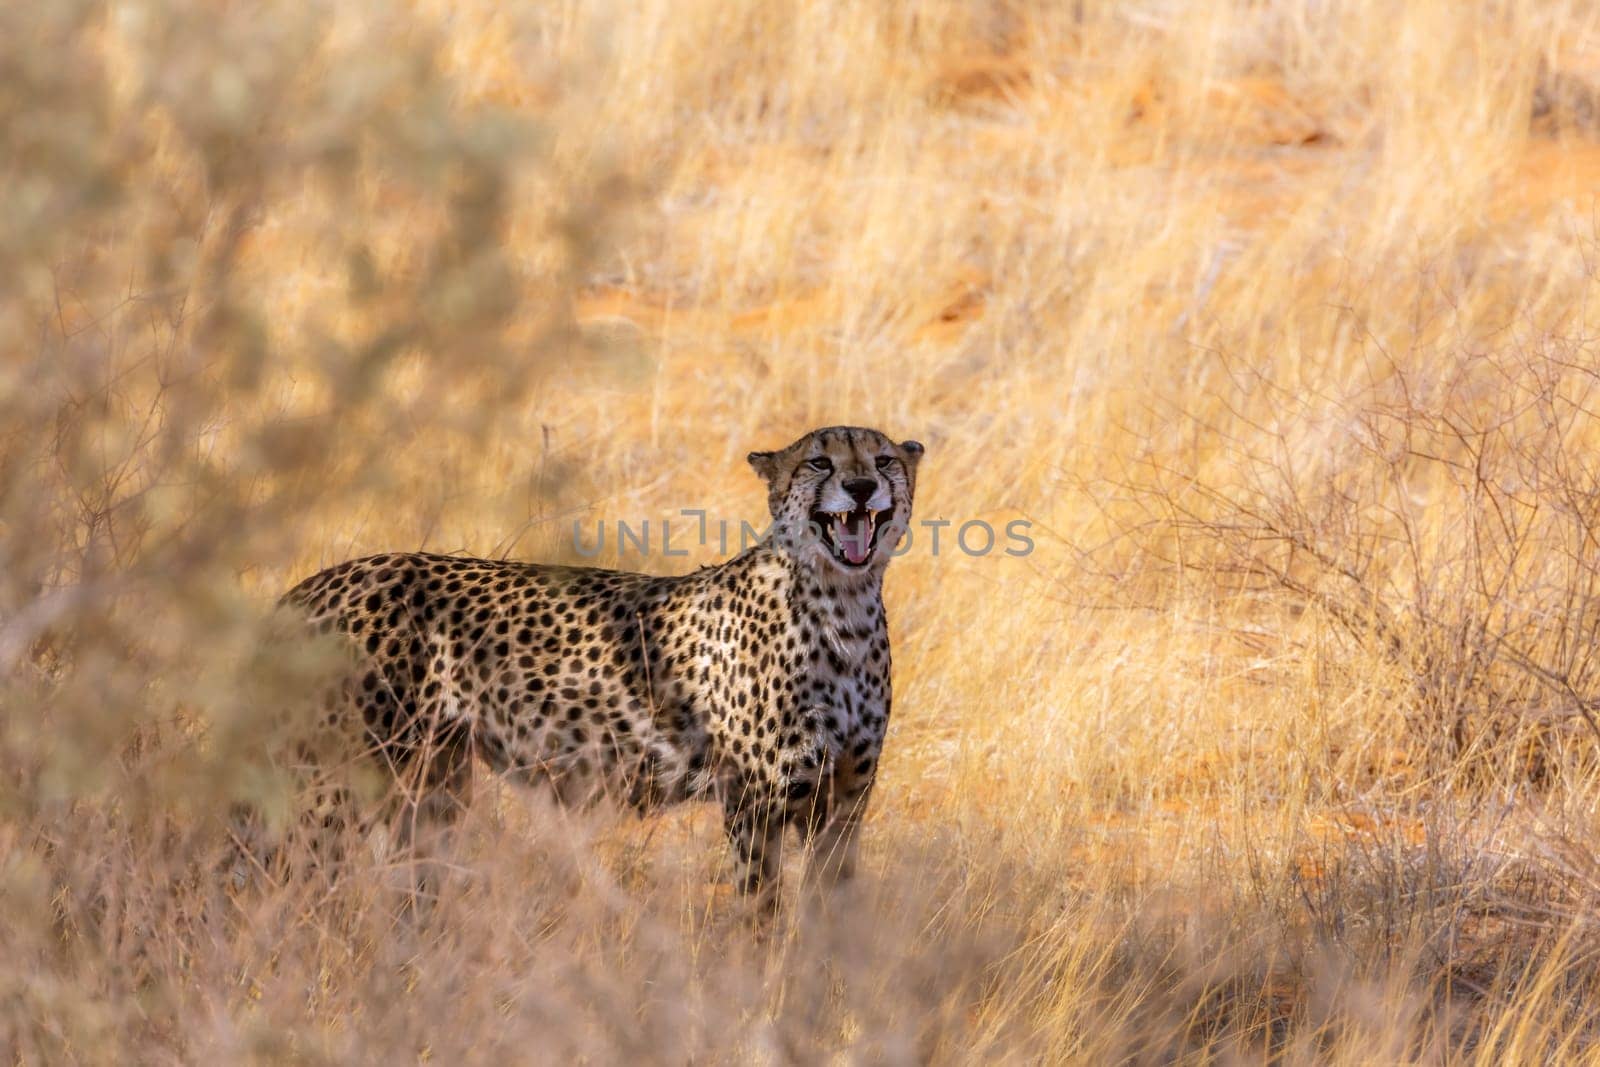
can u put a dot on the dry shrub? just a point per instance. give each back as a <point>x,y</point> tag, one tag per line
<point>1440,511</point>
<point>175,415</point>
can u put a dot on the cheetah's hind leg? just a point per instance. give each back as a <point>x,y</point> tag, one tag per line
<point>315,838</point>
<point>418,828</point>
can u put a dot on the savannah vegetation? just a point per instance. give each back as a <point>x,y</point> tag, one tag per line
<point>1274,319</point>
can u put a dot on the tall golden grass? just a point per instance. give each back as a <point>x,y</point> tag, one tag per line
<point>1275,319</point>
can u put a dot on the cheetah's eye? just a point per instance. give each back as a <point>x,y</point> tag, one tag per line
<point>821,463</point>
<point>885,462</point>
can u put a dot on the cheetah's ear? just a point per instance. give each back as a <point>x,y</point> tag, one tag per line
<point>912,451</point>
<point>765,464</point>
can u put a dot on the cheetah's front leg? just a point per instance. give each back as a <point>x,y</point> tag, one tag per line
<point>755,831</point>
<point>833,825</point>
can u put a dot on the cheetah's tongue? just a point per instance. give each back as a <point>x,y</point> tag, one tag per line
<point>855,537</point>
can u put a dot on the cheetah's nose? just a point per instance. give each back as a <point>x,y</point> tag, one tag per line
<point>861,488</point>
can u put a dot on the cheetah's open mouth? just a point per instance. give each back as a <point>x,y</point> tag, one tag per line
<point>851,535</point>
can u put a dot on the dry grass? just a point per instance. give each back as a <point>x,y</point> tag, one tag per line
<point>1275,319</point>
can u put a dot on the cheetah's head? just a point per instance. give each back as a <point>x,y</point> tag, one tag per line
<point>842,495</point>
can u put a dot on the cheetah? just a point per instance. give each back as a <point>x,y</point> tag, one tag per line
<point>761,683</point>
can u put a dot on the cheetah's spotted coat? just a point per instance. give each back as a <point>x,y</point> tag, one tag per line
<point>762,682</point>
